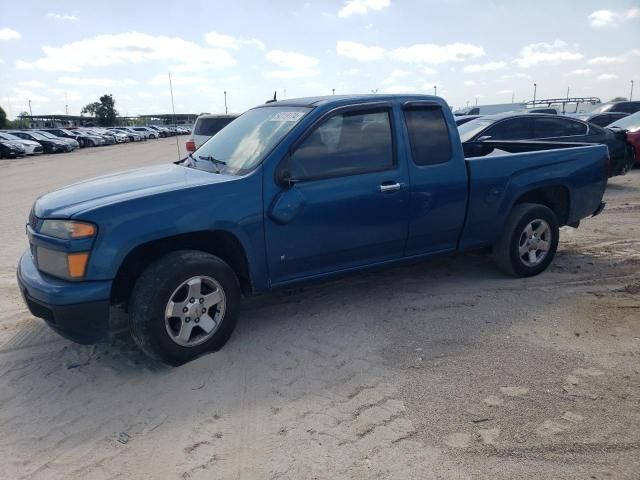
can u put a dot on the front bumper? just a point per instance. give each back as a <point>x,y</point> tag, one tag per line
<point>78,311</point>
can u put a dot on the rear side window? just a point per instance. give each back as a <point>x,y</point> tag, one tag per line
<point>518,128</point>
<point>550,127</point>
<point>345,144</point>
<point>428,135</point>
<point>626,107</point>
<point>210,126</point>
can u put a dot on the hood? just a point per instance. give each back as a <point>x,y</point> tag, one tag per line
<point>120,187</point>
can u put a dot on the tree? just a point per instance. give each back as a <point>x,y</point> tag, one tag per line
<point>103,111</point>
<point>3,118</point>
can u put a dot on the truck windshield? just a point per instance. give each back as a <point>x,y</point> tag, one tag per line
<point>470,129</point>
<point>243,143</point>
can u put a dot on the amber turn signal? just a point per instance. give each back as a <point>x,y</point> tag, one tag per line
<point>77,264</point>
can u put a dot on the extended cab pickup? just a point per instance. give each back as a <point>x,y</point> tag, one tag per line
<point>293,191</point>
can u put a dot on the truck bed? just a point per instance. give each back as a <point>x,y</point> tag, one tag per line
<point>496,180</point>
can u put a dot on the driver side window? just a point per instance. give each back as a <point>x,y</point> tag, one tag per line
<point>347,143</point>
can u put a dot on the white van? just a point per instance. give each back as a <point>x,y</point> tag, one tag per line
<point>490,109</point>
<point>207,126</point>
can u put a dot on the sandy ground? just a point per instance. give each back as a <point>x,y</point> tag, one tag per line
<point>444,369</point>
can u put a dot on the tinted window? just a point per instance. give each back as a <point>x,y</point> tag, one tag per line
<point>550,127</point>
<point>210,126</point>
<point>345,144</point>
<point>626,107</point>
<point>470,129</point>
<point>510,129</point>
<point>605,119</point>
<point>630,123</point>
<point>428,134</point>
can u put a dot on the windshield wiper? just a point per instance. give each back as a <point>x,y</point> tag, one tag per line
<point>214,161</point>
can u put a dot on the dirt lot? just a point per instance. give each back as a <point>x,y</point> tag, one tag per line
<point>444,369</point>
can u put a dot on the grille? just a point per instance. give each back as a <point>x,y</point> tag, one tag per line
<point>33,220</point>
<point>38,149</point>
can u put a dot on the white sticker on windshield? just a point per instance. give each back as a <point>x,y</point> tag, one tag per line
<point>286,117</point>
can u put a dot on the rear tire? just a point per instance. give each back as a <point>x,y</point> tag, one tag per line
<point>529,241</point>
<point>171,315</point>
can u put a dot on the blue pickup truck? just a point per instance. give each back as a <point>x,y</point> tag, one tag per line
<point>293,191</point>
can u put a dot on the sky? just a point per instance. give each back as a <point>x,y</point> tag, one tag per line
<point>64,55</point>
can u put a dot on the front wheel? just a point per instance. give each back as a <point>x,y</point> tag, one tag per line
<point>184,305</point>
<point>529,240</point>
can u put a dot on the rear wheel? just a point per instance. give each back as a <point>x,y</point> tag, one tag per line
<point>184,305</point>
<point>529,241</point>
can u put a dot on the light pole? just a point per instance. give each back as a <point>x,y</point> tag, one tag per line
<point>535,87</point>
<point>631,92</point>
<point>226,109</point>
<point>435,90</point>
<point>30,112</point>
<point>333,91</point>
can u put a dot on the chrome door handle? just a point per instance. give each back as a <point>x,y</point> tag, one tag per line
<point>390,187</point>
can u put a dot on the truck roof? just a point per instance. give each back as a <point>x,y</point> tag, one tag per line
<point>328,99</point>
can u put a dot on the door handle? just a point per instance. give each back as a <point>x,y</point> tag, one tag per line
<point>390,187</point>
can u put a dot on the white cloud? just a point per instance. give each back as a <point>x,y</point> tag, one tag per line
<point>358,51</point>
<point>361,7</point>
<point>485,67</point>
<point>145,95</point>
<point>293,65</point>
<point>505,92</point>
<point>605,60</point>
<point>125,48</point>
<point>551,53</point>
<point>516,75</point>
<point>350,72</point>
<point>394,76</point>
<point>62,16</point>
<point>607,76</point>
<point>469,83</point>
<point>220,40</point>
<point>436,54</point>
<point>9,34</point>
<point>31,84</point>
<point>399,89</point>
<point>20,94</point>
<point>98,82</point>
<point>579,71</point>
<point>428,71</point>
<point>609,18</point>
<point>1,60</point>
<point>163,79</point>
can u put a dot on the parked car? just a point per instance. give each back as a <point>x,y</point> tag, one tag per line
<point>162,132</point>
<point>630,125</point>
<point>49,145</point>
<point>558,128</point>
<point>462,119</point>
<point>11,149</point>
<point>147,132</point>
<point>623,106</point>
<point>207,126</point>
<point>65,133</point>
<point>289,192</point>
<point>133,135</point>
<point>69,141</point>
<point>30,147</point>
<point>92,140</point>
<point>600,119</point>
<point>108,137</point>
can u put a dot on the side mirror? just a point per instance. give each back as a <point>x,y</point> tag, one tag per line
<point>283,174</point>
<point>483,138</point>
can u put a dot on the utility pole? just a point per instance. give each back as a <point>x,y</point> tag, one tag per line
<point>30,112</point>
<point>535,87</point>
<point>631,92</point>
<point>568,92</point>
<point>226,109</point>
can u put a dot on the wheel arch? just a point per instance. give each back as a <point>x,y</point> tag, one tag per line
<point>221,243</point>
<point>556,197</point>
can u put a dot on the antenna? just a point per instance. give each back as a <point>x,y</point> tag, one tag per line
<point>173,108</point>
<point>275,97</point>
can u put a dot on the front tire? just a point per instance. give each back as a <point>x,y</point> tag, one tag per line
<point>184,305</point>
<point>529,241</point>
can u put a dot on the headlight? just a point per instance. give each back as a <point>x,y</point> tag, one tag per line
<point>69,266</point>
<point>67,229</point>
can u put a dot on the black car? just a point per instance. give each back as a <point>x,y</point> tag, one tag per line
<point>600,119</point>
<point>49,145</point>
<point>64,133</point>
<point>462,119</point>
<point>551,128</point>
<point>10,149</point>
<point>622,106</point>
